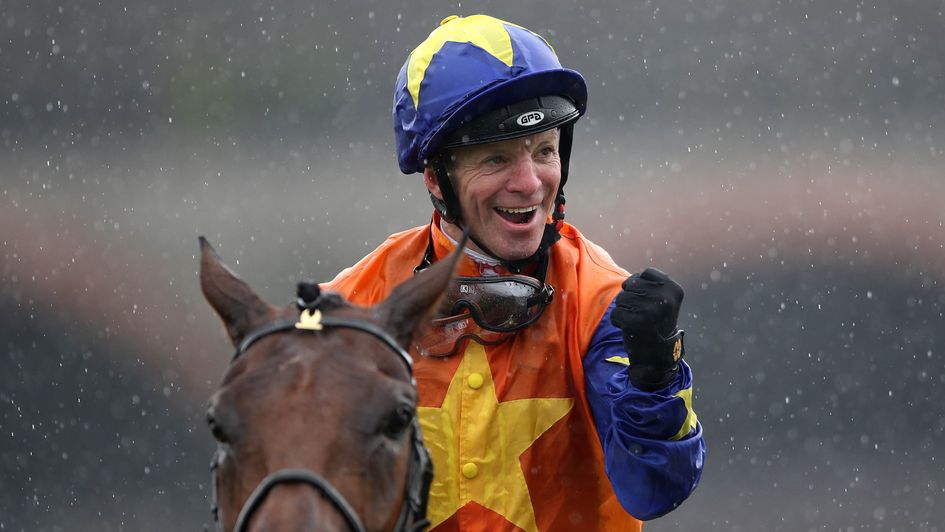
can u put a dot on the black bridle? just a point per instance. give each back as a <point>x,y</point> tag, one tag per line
<point>412,515</point>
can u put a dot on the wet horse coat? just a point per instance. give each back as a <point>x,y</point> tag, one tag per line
<point>315,417</point>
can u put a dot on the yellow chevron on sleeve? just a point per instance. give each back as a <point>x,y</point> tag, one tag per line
<point>619,360</point>
<point>690,422</point>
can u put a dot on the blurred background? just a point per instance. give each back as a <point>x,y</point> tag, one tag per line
<point>782,159</point>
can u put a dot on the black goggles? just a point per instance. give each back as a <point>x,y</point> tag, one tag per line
<point>486,310</point>
<point>504,303</point>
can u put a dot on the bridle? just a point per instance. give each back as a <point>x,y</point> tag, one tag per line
<point>420,471</point>
<point>412,515</point>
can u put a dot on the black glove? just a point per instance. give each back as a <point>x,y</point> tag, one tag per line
<point>646,312</point>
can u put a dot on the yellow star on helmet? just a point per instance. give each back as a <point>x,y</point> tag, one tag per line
<point>483,31</point>
<point>476,443</point>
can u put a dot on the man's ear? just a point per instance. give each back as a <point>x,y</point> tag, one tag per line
<point>429,179</point>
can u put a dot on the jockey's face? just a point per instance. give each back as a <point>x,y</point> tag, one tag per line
<point>506,191</point>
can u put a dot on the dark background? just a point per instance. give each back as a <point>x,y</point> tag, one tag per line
<point>782,159</point>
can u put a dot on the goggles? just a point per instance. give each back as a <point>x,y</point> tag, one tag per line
<point>485,310</point>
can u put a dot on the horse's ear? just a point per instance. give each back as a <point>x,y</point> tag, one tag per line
<point>233,300</point>
<point>413,303</point>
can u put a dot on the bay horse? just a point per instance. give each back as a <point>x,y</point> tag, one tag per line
<point>315,418</point>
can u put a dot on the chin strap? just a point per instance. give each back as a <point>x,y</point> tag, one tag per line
<point>539,258</point>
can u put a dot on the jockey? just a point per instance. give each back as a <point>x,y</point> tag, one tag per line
<point>552,390</point>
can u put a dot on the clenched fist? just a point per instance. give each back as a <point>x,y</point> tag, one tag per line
<point>646,311</point>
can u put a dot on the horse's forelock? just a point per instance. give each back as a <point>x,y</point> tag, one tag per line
<point>332,301</point>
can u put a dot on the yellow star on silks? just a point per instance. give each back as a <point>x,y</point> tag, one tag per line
<point>483,31</point>
<point>476,442</point>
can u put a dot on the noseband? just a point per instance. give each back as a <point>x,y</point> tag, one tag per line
<point>297,476</point>
<point>412,515</point>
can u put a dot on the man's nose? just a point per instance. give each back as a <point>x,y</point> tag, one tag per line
<point>524,176</point>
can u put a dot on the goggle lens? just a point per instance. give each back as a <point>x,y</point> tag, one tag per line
<point>446,335</point>
<point>501,304</point>
<point>486,310</point>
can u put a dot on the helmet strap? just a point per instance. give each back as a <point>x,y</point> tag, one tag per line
<point>540,257</point>
<point>448,207</point>
<point>565,139</point>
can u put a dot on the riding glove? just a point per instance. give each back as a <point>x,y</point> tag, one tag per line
<point>646,311</point>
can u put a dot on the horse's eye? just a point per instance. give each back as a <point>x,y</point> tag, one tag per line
<point>216,429</point>
<point>398,421</point>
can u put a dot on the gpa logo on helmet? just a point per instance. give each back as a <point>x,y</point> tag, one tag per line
<point>530,118</point>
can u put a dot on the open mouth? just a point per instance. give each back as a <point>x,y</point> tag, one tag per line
<point>522,215</point>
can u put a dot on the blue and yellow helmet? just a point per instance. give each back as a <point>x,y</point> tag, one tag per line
<point>480,67</point>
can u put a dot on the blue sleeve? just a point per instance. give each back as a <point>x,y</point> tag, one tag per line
<point>652,441</point>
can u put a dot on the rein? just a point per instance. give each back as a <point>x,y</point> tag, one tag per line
<point>412,515</point>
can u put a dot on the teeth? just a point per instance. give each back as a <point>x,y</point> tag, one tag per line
<point>518,211</point>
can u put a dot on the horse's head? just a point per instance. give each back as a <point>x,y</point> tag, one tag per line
<point>318,422</point>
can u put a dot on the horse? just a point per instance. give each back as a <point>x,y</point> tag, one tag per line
<point>315,418</point>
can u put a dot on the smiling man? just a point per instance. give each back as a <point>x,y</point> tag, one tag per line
<point>506,192</point>
<point>553,393</point>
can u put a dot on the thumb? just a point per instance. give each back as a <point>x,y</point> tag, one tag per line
<point>654,274</point>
